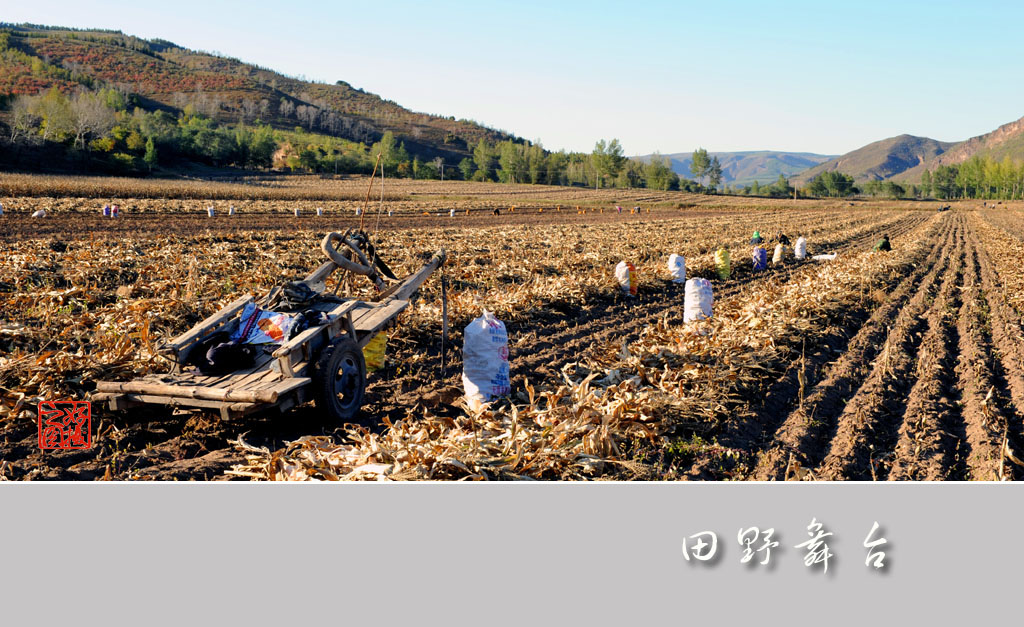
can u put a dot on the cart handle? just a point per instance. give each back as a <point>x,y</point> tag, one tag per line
<point>327,245</point>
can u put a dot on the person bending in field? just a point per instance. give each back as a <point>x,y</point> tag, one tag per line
<point>782,239</point>
<point>757,239</point>
<point>496,211</point>
<point>883,244</point>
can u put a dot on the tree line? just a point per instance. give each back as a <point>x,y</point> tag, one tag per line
<point>978,177</point>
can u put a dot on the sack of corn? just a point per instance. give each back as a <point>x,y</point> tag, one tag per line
<point>698,300</point>
<point>800,248</point>
<point>760,259</point>
<point>373,352</point>
<point>677,268</point>
<point>723,263</point>
<point>625,274</point>
<point>485,369</point>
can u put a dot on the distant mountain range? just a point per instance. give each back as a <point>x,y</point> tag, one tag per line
<point>880,160</point>
<point>743,168</point>
<point>906,157</point>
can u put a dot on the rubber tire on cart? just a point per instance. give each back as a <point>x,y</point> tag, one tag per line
<point>339,380</point>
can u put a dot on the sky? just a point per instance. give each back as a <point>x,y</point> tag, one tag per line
<point>823,77</point>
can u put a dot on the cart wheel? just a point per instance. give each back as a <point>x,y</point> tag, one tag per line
<point>339,379</point>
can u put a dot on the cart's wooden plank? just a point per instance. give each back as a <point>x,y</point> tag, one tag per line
<point>191,392</point>
<point>289,384</point>
<point>405,289</point>
<point>257,380</point>
<point>196,332</point>
<point>370,320</point>
<point>175,401</point>
<point>259,364</point>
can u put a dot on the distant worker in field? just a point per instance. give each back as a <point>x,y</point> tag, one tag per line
<point>618,208</point>
<point>757,239</point>
<point>782,239</point>
<point>883,244</point>
<point>496,211</point>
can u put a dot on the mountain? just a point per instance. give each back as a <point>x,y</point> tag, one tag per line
<point>881,160</point>
<point>1005,141</point>
<point>743,168</point>
<point>163,75</point>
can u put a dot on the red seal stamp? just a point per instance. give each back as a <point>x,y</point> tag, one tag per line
<point>65,425</point>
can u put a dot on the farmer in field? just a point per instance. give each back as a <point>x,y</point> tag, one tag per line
<point>757,239</point>
<point>883,244</point>
<point>782,239</point>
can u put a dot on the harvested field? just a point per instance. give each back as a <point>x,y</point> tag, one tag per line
<point>906,365</point>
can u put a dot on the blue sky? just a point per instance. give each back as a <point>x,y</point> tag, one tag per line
<point>668,76</point>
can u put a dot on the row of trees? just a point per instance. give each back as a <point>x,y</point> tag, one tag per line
<point>606,166</point>
<point>978,177</point>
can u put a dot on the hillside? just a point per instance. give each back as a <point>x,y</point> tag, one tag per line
<point>743,168</point>
<point>166,76</point>
<point>880,160</point>
<point>1005,141</point>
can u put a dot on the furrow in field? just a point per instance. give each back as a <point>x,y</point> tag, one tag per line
<point>932,437</point>
<point>985,416</point>
<point>866,428</point>
<point>1008,349</point>
<point>801,440</point>
<point>754,422</point>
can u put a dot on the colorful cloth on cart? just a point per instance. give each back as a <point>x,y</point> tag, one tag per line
<point>259,326</point>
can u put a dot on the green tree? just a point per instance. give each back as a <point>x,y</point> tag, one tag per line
<point>536,163</point>
<point>832,184</point>
<point>700,164</point>
<point>658,174</point>
<point>57,118</point>
<point>309,158</point>
<point>557,164</point>
<point>262,147</point>
<point>483,157</point>
<point>944,182</point>
<point>151,156</point>
<point>467,167</point>
<point>714,173</point>
<point>512,160</point>
<point>926,183</point>
<point>607,159</point>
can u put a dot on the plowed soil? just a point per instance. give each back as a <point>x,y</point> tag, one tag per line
<point>925,382</point>
<point>925,388</point>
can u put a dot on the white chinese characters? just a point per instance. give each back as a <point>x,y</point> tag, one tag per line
<point>747,538</point>
<point>874,558</point>
<point>817,548</point>
<point>702,550</point>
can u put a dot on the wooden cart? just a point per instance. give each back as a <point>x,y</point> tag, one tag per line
<point>323,363</point>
